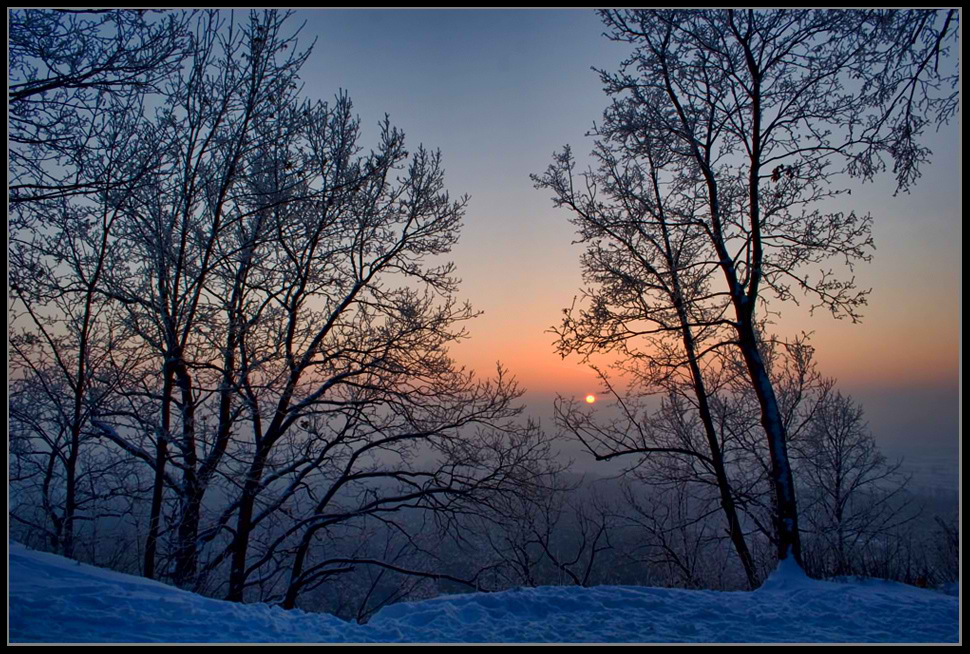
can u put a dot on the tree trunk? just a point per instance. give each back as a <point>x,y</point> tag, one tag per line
<point>186,555</point>
<point>704,407</point>
<point>240,547</point>
<point>289,602</point>
<point>159,484</point>
<point>70,502</point>
<point>724,488</point>
<point>786,514</point>
<point>297,570</point>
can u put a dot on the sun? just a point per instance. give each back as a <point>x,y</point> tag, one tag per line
<point>590,398</point>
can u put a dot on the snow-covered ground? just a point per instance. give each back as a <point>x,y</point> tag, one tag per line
<point>52,599</point>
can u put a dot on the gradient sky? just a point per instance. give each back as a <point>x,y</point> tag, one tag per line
<point>499,91</point>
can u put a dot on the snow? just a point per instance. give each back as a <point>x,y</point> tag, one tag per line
<point>53,599</point>
<point>788,576</point>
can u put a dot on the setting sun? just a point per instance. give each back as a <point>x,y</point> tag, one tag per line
<point>590,399</point>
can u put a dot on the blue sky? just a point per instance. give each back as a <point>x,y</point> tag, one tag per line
<point>499,91</point>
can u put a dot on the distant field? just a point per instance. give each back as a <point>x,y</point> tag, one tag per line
<point>933,475</point>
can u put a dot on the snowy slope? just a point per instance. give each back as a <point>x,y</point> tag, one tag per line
<point>52,599</point>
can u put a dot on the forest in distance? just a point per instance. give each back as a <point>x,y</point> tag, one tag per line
<point>232,309</point>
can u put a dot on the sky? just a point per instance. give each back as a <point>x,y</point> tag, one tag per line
<point>499,91</point>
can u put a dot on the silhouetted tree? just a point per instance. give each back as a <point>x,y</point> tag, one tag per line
<point>78,83</point>
<point>650,302</point>
<point>551,533</point>
<point>736,125</point>
<point>246,306</point>
<point>72,75</point>
<point>852,497</point>
<point>176,229</point>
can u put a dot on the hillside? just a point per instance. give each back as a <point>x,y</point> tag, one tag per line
<point>52,599</point>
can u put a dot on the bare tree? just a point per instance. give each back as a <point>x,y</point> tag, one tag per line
<point>948,550</point>
<point>422,502</point>
<point>851,495</point>
<point>73,73</point>
<point>750,109</point>
<point>666,441</point>
<point>556,533</point>
<point>77,154</point>
<point>676,537</point>
<point>651,301</point>
<point>62,477</point>
<point>174,232</point>
<point>257,313</point>
<point>343,358</point>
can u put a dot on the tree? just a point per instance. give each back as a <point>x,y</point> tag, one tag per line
<point>78,84</point>
<point>175,230</point>
<point>852,501</point>
<point>651,303</point>
<point>852,496</point>
<point>417,502</point>
<point>948,549</point>
<point>344,374</point>
<point>676,537</point>
<point>266,310</point>
<point>72,74</point>
<point>552,533</point>
<point>749,118</point>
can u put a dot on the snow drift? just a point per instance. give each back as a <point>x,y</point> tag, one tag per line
<point>52,599</point>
